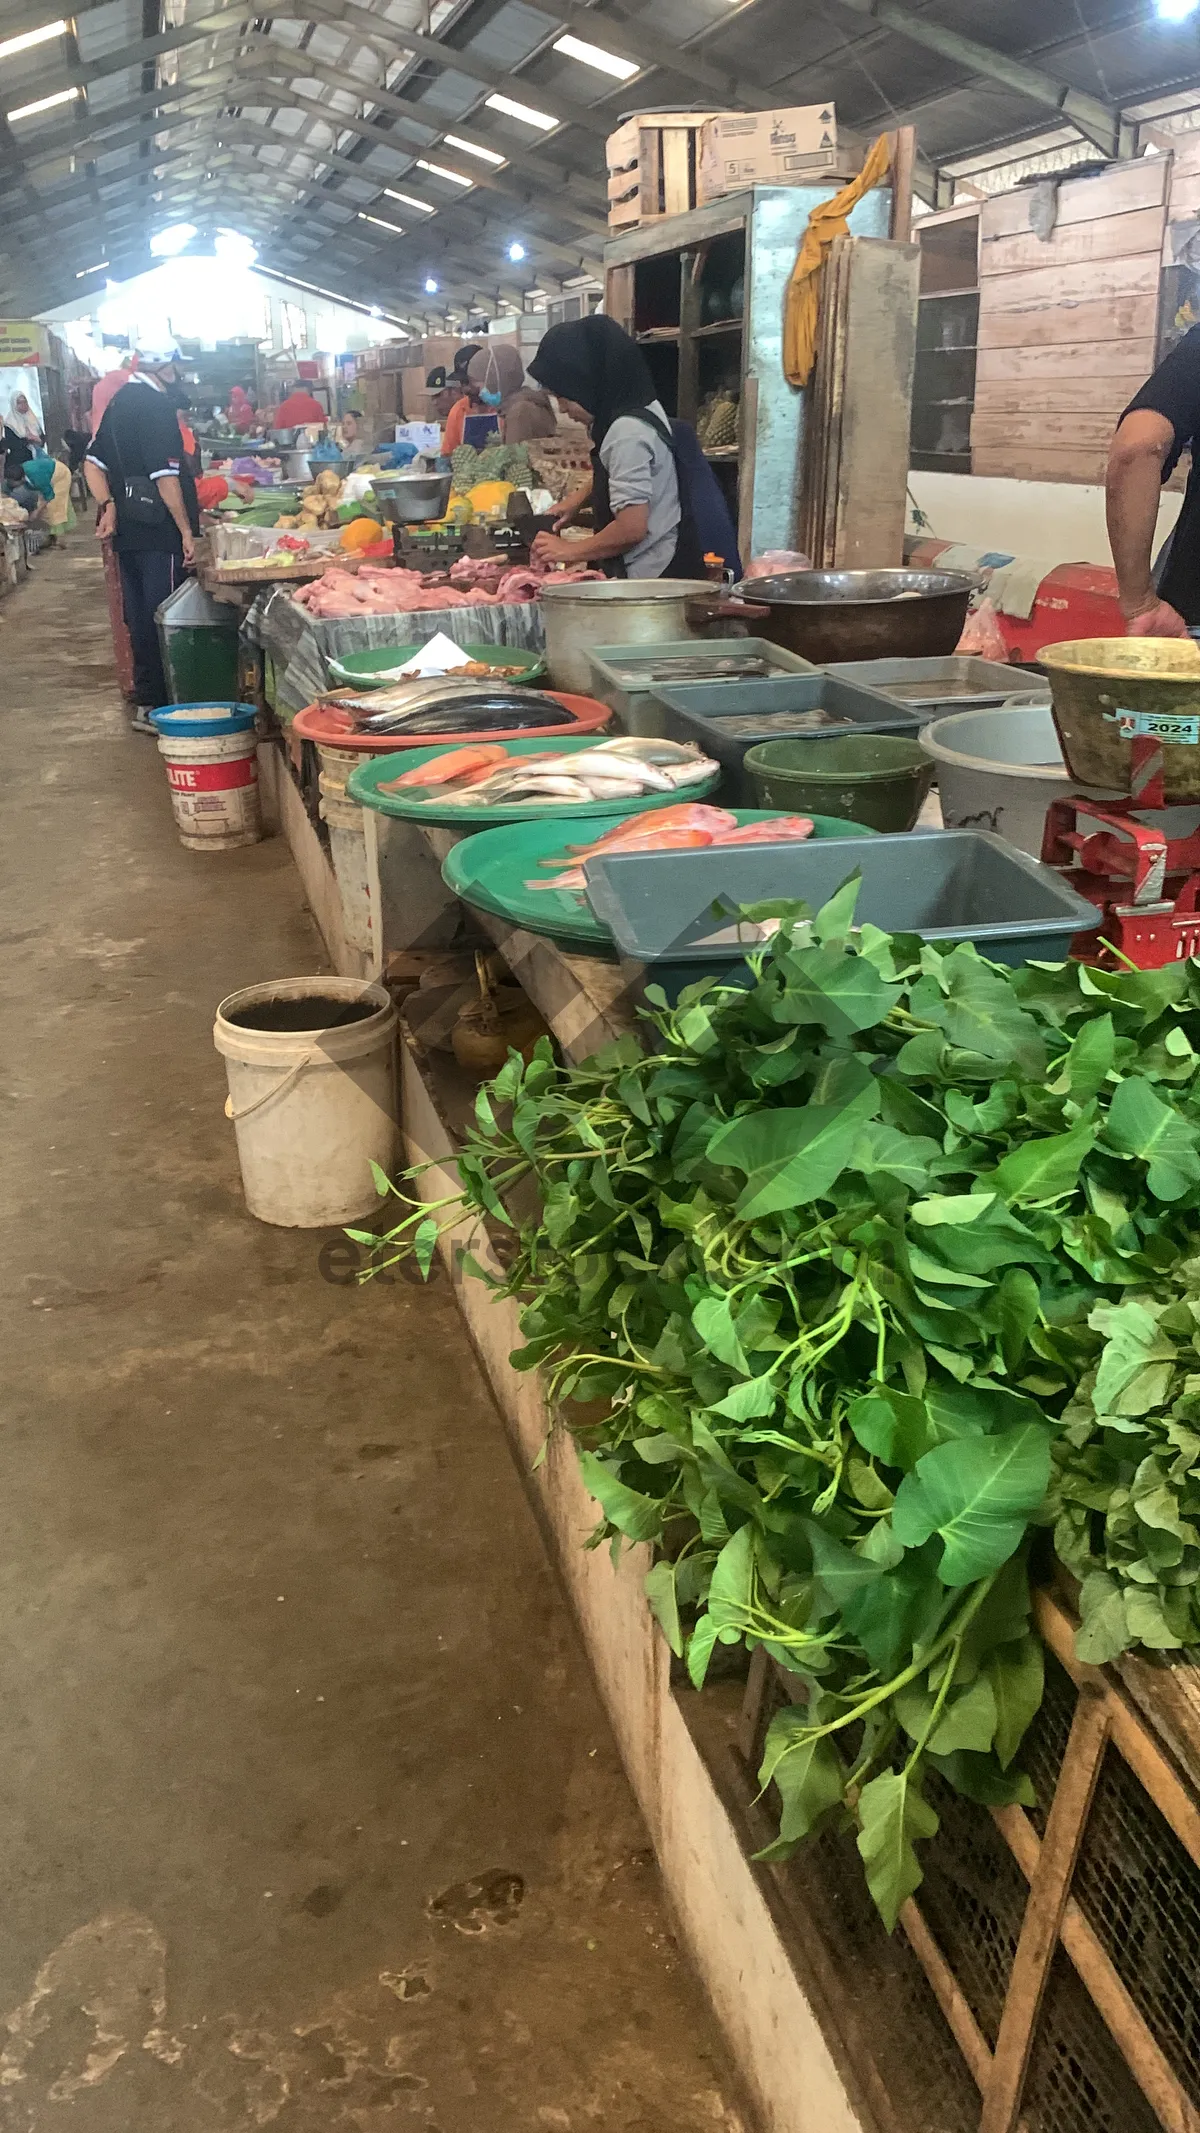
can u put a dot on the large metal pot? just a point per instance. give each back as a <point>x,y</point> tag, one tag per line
<point>850,614</point>
<point>617,611</point>
<point>412,499</point>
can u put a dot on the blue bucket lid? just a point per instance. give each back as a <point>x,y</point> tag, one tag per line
<point>203,721</point>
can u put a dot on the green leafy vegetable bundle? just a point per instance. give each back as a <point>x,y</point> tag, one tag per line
<point>874,1267</point>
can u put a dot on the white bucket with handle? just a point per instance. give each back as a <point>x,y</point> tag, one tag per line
<point>312,1094</point>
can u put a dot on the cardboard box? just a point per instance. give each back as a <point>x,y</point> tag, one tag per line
<point>653,166</point>
<point>414,397</point>
<point>790,147</point>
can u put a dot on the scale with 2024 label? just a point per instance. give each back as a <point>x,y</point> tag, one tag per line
<point>1137,858</point>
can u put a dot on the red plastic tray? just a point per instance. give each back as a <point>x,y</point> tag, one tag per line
<point>326,723</point>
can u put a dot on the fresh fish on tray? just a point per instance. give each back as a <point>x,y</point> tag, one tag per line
<point>619,769</point>
<point>753,667</point>
<point>442,706</point>
<point>780,722</point>
<point>675,829</point>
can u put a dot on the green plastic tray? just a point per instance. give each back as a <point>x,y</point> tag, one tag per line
<point>373,670</point>
<point>378,770</point>
<point>490,871</point>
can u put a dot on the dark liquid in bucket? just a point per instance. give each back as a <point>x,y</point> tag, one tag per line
<point>315,1011</point>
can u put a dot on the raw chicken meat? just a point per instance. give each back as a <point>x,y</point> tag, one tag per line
<point>487,581</point>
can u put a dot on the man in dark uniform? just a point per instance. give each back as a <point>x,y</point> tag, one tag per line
<point>1159,425</point>
<point>137,472</point>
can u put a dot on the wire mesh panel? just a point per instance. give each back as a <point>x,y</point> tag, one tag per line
<point>1140,1891</point>
<point>1045,1744</point>
<point>973,1900</point>
<point>1078,2081</point>
<point>917,2059</point>
<point>1047,1977</point>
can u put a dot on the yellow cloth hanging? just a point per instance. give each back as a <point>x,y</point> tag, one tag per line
<point>802,301</point>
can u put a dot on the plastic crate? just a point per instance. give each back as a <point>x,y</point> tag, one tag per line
<point>631,677</point>
<point>811,706</point>
<point>959,682</point>
<point>664,909</point>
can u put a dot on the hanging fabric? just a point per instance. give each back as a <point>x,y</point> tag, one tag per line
<point>802,301</point>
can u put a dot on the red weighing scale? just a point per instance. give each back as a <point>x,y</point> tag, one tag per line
<point>1144,877</point>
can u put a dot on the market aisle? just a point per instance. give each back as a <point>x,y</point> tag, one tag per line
<point>282,1659</point>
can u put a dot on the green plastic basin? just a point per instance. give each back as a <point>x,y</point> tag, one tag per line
<point>864,777</point>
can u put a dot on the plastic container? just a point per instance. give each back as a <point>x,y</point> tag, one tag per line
<point>950,885</point>
<point>999,770</point>
<point>367,780</point>
<point>926,685</point>
<point>492,872</point>
<point>312,1094</point>
<point>879,779</point>
<point>631,676</point>
<point>822,708</point>
<point>198,638</point>
<point>343,817</point>
<point>211,757</point>
<point>326,723</point>
<point>374,669</point>
<point>1107,690</point>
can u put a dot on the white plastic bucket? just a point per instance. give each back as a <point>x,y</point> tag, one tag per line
<point>347,844</point>
<point>211,757</point>
<point>312,1096</point>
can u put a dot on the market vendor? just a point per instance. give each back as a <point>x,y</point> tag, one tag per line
<point>23,435</point>
<point>497,376</point>
<point>1159,425</point>
<point>349,437</point>
<point>468,401</point>
<point>299,411</point>
<point>137,472</point>
<point>600,377</point>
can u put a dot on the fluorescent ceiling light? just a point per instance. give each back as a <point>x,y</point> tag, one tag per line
<point>44,103</point>
<point>605,62</point>
<point>516,251</point>
<point>541,119</point>
<point>442,170</point>
<point>31,37</point>
<point>422,206</point>
<point>431,286</point>
<point>469,148</point>
<point>380,224</point>
<point>165,243</point>
<point>85,271</point>
<point>1176,10</point>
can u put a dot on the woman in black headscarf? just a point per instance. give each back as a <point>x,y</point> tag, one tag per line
<point>599,376</point>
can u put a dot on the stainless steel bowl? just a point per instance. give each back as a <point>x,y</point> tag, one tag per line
<point>340,467</point>
<point>826,615</point>
<point>412,499</point>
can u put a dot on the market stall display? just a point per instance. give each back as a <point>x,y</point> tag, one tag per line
<point>373,670</point>
<point>731,718</point>
<point>512,872</point>
<point>328,724</point>
<point>629,677</point>
<point>469,806</point>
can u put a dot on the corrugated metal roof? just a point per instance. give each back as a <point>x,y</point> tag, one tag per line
<point>289,126</point>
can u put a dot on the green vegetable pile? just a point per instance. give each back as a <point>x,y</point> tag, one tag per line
<point>868,1271</point>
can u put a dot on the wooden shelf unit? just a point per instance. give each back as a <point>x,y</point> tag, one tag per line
<point>659,282</point>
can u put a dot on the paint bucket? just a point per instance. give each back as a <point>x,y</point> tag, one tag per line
<point>343,818</point>
<point>211,756</point>
<point>312,1094</point>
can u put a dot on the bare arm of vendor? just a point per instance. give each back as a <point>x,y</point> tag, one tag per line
<point>1159,424</point>
<point>621,533</point>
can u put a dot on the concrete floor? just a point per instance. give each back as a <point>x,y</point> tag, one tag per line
<point>309,1813</point>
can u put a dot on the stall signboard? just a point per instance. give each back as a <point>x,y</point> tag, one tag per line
<point>22,341</point>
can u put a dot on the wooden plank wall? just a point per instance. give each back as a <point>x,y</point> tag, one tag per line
<point>1067,325</point>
